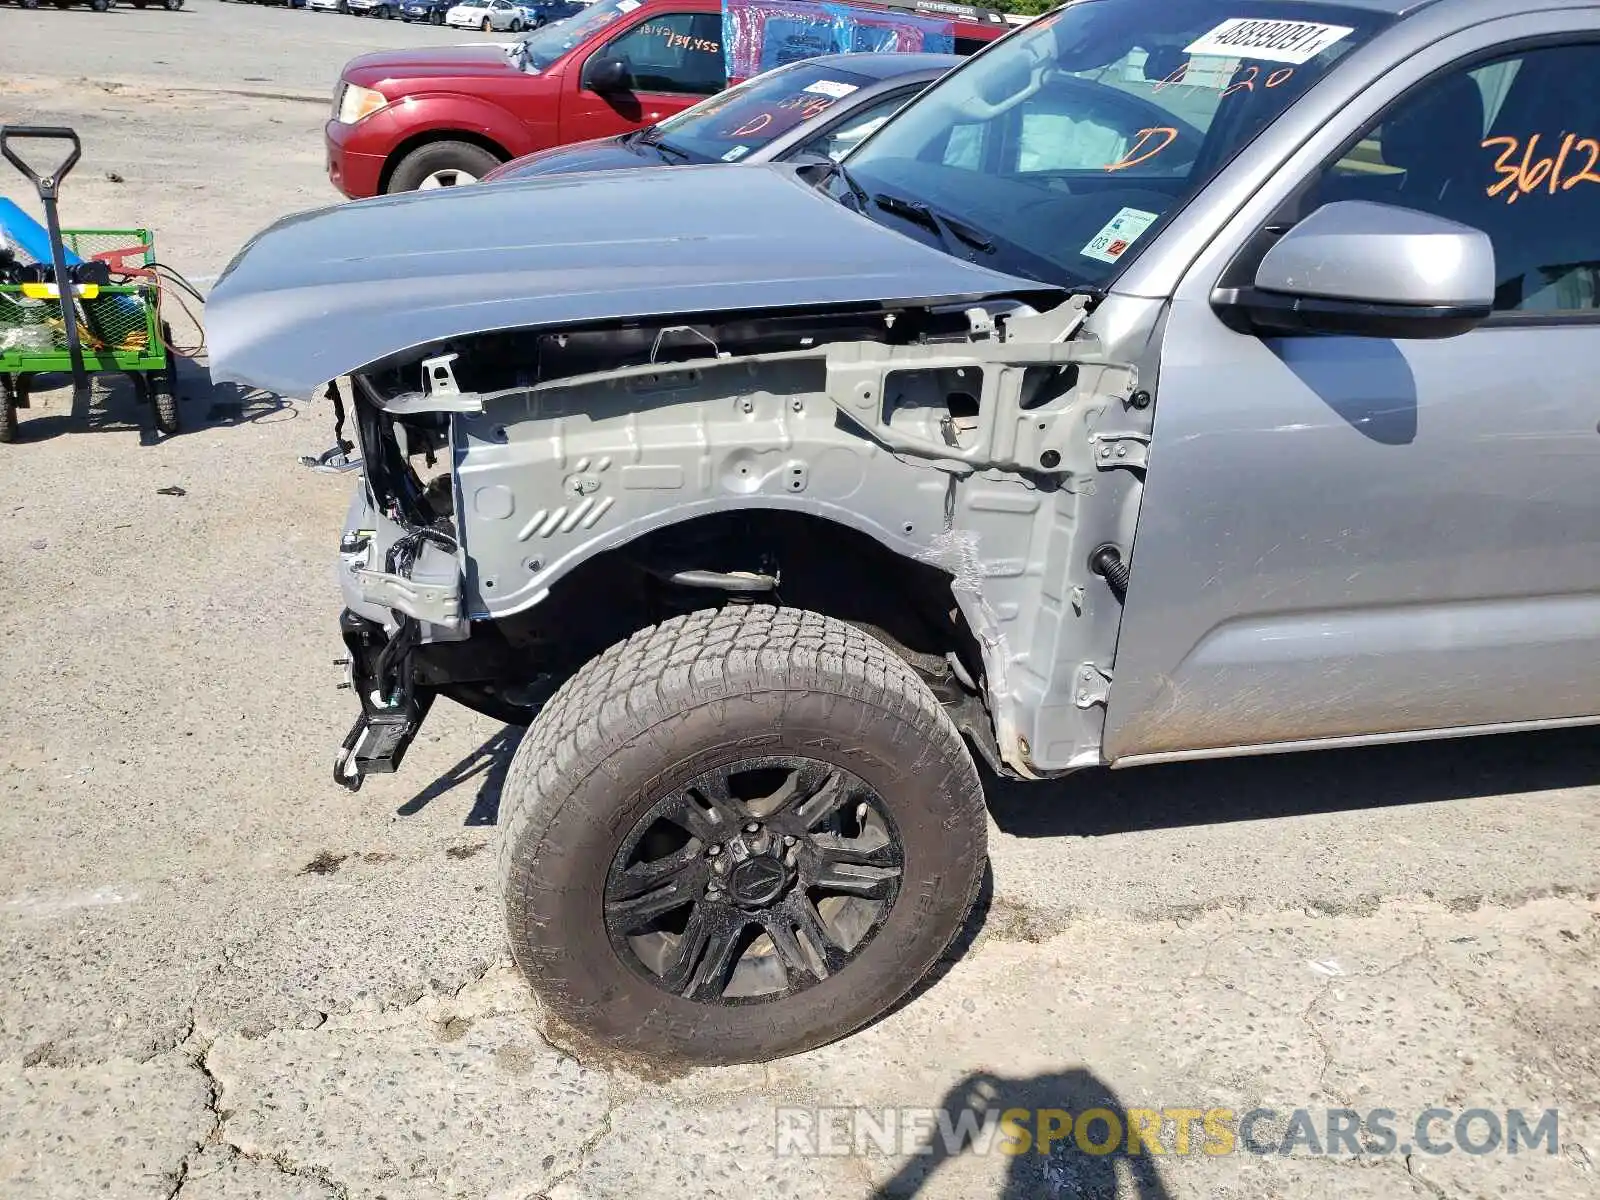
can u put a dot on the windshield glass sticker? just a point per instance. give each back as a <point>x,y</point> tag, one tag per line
<point>628,6</point>
<point>1274,41</point>
<point>831,87</point>
<point>1112,242</point>
<point>736,154</point>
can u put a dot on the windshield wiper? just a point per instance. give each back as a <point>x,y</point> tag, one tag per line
<point>651,137</point>
<point>948,229</point>
<point>856,190</point>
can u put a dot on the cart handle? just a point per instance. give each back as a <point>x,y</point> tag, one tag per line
<point>48,184</point>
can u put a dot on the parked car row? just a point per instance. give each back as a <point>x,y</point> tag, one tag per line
<point>443,115</point>
<point>506,16</point>
<point>102,5</point>
<point>818,108</point>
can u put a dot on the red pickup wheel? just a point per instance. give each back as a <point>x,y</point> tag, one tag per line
<point>441,164</point>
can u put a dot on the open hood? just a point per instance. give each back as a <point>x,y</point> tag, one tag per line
<point>326,293</point>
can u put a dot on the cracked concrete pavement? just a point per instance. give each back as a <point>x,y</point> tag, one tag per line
<point>223,977</point>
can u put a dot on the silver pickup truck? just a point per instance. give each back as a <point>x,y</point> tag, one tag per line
<point>1176,378</point>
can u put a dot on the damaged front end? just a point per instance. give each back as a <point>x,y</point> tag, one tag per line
<point>937,452</point>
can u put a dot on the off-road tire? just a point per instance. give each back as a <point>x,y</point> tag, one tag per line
<point>689,695</point>
<point>440,156</point>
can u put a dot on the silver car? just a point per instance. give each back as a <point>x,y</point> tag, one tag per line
<point>487,15</point>
<point>1176,378</point>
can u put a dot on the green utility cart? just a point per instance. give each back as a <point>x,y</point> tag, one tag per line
<point>112,291</point>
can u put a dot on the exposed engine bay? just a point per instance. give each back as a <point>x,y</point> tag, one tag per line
<point>534,496</point>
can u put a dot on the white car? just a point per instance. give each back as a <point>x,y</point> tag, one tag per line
<point>486,15</point>
<point>326,6</point>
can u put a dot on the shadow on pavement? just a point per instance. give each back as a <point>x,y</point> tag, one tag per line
<point>113,406</point>
<point>487,764</point>
<point>1099,802</point>
<point>1059,1103</point>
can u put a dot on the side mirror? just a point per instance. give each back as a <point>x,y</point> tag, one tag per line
<point>606,75</point>
<point>1368,270</point>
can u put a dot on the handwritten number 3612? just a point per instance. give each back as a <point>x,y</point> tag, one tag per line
<point>1528,176</point>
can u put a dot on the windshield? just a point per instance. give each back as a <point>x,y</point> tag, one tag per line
<point>731,125</point>
<point>1062,147</point>
<point>543,46</point>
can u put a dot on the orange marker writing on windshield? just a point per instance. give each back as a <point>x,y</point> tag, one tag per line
<point>1139,154</point>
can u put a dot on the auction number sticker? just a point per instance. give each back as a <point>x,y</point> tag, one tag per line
<point>1274,41</point>
<point>736,154</point>
<point>1112,242</point>
<point>830,87</point>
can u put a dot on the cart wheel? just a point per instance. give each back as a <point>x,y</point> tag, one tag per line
<point>165,400</point>
<point>163,388</point>
<point>8,410</point>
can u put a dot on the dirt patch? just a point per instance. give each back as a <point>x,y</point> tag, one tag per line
<point>325,863</point>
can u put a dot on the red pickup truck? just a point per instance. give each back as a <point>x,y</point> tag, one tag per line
<point>437,117</point>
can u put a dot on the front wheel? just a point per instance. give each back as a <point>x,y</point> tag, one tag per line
<point>736,836</point>
<point>100,5</point>
<point>488,25</point>
<point>441,164</point>
<point>516,25</point>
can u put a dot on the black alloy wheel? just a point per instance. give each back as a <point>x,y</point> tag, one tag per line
<point>758,880</point>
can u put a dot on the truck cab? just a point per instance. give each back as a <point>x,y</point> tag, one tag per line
<point>443,116</point>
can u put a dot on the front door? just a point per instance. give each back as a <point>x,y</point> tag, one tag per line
<point>1346,536</point>
<point>675,59</point>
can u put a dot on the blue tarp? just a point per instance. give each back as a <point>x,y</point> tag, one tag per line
<point>758,35</point>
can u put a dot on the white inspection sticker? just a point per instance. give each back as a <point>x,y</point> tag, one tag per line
<point>628,5</point>
<point>736,154</point>
<point>830,87</point>
<point>1273,41</point>
<point>1112,242</point>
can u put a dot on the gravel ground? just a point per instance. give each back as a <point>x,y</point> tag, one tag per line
<point>220,976</point>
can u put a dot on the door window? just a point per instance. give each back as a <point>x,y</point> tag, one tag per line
<point>853,130</point>
<point>1511,147</point>
<point>675,52</point>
